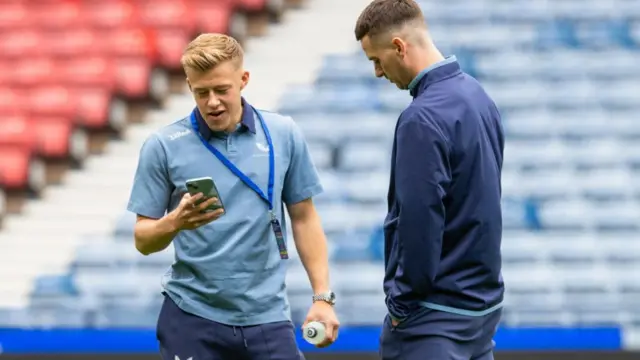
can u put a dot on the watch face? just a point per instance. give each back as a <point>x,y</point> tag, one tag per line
<point>329,297</point>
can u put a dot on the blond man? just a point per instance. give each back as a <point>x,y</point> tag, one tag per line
<point>225,295</point>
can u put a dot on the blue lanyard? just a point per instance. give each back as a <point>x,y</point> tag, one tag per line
<point>275,224</point>
<point>237,172</point>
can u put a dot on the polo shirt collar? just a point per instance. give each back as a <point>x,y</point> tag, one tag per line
<point>247,123</point>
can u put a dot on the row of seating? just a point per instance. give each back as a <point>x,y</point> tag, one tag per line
<point>102,298</point>
<point>363,244</point>
<point>518,12</point>
<point>559,163</point>
<point>176,15</point>
<point>537,69</point>
<point>349,99</point>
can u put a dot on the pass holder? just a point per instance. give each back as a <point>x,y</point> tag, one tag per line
<point>277,231</point>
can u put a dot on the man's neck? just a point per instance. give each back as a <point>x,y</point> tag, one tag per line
<point>429,56</point>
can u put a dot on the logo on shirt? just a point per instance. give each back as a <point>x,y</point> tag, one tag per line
<point>178,135</point>
<point>262,147</point>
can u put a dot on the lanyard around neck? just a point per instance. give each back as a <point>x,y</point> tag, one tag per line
<point>237,172</point>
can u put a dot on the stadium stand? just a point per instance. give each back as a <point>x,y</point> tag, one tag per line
<point>563,72</point>
<point>75,75</point>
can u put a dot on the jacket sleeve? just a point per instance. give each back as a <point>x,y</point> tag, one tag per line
<point>422,178</point>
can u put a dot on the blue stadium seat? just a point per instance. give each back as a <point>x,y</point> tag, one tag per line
<point>556,33</point>
<point>604,34</point>
<point>54,286</point>
<point>376,244</point>
<point>341,69</point>
<point>364,157</point>
<point>351,246</point>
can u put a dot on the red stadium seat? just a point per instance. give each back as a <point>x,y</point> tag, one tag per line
<point>16,42</point>
<point>132,76</point>
<point>212,16</point>
<point>86,105</point>
<point>14,168</point>
<point>129,41</point>
<point>109,14</point>
<point>47,100</point>
<point>13,15</point>
<point>15,132</point>
<point>6,73</point>
<point>166,14</point>
<point>94,108</point>
<point>173,23</point>
<point>10,100</point>
<point>134,55</point>
<point>56,138</point>
<point>34,71</point>
<point>70,41</point>
<point>171,44</point>
<point>91,70</point>
<point>55,14</point>
<point>48,137</point>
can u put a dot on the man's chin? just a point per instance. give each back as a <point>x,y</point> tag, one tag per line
<point>218,125</point>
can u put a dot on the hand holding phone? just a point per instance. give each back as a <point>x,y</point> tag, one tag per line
<point>208,189</point>
<point>197,208</point>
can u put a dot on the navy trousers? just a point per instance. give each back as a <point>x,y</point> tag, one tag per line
<point>436,335</point>
<point>188,337</point>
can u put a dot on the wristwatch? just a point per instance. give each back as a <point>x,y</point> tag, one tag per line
<point>329,297</point>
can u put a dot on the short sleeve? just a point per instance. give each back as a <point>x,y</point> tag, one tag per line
<point>152,188</point>
<point>302,180</point>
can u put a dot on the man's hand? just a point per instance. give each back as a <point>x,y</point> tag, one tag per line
<point>323,312</point>
<point>189,216</point>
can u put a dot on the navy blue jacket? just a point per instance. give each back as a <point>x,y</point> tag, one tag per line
<point>444,225</point>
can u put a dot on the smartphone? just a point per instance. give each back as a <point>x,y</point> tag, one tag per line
<point>207,187</point>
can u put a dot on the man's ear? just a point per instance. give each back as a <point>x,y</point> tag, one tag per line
<point>399,46</point>
<point>245,79</point>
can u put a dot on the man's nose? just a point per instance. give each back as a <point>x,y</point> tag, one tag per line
<point>213,101</point>
<point>379,73</point>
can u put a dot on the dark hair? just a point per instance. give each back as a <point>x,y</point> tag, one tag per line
<point>383,15</point>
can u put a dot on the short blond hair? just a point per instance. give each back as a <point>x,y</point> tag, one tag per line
<point>208,50</point>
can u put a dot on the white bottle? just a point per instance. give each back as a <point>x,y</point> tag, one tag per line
<point>314,332</point>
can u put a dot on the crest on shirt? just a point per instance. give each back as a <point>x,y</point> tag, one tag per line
<point>262,147</point>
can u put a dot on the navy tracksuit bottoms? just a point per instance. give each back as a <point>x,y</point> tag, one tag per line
<point>436,335</point>
<point>189,337</point>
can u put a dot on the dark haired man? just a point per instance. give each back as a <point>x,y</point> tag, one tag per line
<point>443,281</point>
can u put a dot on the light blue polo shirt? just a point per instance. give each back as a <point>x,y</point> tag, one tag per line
<point>230,270</point>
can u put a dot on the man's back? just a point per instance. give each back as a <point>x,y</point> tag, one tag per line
<point>466,270</point>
